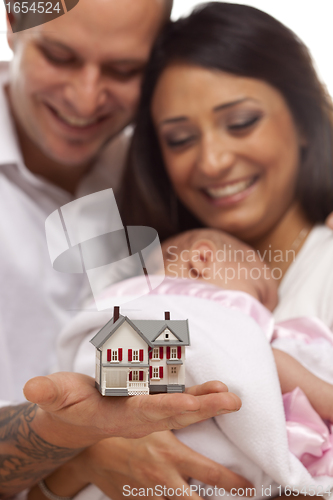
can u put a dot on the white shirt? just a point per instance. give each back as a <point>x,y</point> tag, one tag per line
<point>35,300</point>
<point>307,287</point>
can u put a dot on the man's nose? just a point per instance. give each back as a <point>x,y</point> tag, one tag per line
<point>85,93</point>
<point>216,156</point>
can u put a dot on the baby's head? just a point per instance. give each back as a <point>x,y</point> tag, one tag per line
<point>222,260</point>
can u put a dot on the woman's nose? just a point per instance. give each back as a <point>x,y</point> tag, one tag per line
<point>216,157</point>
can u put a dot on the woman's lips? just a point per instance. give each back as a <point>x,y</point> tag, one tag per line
<point>231,192</point>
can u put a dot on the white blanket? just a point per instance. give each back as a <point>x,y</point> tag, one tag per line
<point>229,346</point>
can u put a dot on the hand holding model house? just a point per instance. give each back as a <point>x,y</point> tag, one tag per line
<point>133,357</point>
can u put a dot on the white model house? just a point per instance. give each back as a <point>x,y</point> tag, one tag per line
<point>140,356</point>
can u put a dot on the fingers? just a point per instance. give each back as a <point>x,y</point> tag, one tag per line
<point>209,472</point>
<point>198,407</point>
<point>174,411</point>
<point>207,388</point>
<point>41,390</point>
<point>178,488</point>
<point>211,405</point>
<point>59,390</point>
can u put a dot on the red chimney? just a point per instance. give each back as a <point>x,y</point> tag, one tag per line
<point>115,313</point>
<point>166,315</point>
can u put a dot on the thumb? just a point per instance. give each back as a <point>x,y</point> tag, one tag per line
<point>45,392</point>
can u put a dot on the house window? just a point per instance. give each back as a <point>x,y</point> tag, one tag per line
<point>135,375</point>
<point>173,370</point>
<point>156,353</point>
<point>174,353</point>
<point>135,355</point>
<point>114,354</point>
<point>155,372</point>
<point>166,334</point>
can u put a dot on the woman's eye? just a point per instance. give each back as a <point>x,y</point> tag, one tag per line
<point>122,75</point>
<point>243,124</point>
<point>174,143</point>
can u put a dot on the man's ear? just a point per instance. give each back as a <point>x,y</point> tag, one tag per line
<point>10,19</point>
<point>202,255</point>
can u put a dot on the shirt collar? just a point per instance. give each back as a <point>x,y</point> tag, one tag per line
<point>10,152</point>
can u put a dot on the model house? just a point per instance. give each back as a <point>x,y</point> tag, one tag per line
<point>140,356</point>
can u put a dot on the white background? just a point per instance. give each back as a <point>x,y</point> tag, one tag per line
<point>310,19</point>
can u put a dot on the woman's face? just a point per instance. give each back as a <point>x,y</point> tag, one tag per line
<point>230,146</point>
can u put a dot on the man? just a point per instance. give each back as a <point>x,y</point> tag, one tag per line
<point>72,86</point>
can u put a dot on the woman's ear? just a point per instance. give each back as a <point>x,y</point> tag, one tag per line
<point>202,256</point>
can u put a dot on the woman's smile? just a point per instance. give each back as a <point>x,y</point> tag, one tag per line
<point>230,192</point>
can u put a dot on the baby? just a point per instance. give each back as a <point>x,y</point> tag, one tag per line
<point>206,256</point>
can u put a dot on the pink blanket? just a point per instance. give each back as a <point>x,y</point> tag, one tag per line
<point>310,439</point>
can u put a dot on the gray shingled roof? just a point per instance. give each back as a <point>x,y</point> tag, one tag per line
<point>149,330</point>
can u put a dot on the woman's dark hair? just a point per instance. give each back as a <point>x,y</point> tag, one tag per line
<point>247,42</point>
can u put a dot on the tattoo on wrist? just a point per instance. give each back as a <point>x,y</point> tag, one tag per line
<point>25,457</point>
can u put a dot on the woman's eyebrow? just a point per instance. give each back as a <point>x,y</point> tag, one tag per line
<point>232,103</point>
<point>176,119</point>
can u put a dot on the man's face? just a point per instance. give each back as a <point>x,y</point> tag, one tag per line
<point>75,81</point>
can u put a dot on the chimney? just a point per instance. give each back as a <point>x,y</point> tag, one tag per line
<point>115,313</point>
<point>166,315</point>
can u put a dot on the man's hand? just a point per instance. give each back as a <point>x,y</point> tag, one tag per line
<point>119,465</point>
<point>76,415</point>
<point>71,415</point>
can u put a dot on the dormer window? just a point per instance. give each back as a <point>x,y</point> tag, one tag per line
<point>166,334</point>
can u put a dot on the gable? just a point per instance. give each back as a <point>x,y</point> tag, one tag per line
<point>172,337</point>
<point>125,337</point>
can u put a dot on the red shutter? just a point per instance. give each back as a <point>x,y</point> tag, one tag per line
<point>150,352</point>
<point>141,375</point>
<point>161,371</point>
<point>168,352</point>
<point>179,352</point>
<point>120,354</point>
<point>130,376</point>
<point>141,355</point>
<point>150,372</point>
<point>109,354</point>
<point>161,352</point>
<point>129,354</point>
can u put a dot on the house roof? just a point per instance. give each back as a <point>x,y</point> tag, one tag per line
<point>152,329</point>
<point>149,330</point>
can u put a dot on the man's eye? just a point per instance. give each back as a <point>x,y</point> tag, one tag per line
<point>244,124</point>
<point>56,59</point>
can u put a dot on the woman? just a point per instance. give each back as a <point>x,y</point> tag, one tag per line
<point>234,131</point>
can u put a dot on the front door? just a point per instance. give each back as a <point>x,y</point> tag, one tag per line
<point>173,375</point>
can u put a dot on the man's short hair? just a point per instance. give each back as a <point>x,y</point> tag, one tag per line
<point>21,21</point>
